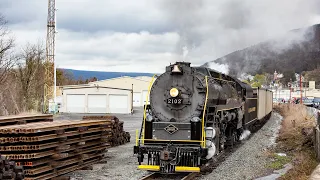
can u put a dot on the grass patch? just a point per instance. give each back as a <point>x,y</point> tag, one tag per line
<point>278,162</point>
<point>295,139</point>
<point>304,163</point>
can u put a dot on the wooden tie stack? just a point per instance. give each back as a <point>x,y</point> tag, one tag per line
<point>119,136</point>
<point>50,149</point>
<point>8,168</point>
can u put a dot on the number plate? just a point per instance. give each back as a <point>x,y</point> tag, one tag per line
<point>174,101</point>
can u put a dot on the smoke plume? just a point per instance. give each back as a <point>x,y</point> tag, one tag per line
<point>212,29</point>
<point>185,16</point>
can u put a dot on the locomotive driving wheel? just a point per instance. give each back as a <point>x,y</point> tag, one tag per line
<point>232,136</point>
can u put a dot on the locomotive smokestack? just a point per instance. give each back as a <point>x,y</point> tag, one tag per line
<point>184,63</point>
<point>176,69</point>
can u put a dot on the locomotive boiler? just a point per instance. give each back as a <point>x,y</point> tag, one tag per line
<point>194,114</point>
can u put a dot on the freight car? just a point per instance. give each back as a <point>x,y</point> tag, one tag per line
<point>194,115</point>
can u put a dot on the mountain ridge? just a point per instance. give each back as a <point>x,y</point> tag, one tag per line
<point>284,54</point>
<point>101,75</point>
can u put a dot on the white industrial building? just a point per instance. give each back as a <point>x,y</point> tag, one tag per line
<point>139,85</point>
<point>116,95</point>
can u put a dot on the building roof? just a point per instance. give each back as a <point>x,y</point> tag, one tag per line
<point>92,86</point>
<point>72,86</point>
<point>139,78</point>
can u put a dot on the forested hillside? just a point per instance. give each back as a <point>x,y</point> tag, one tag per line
<point>296,51</point>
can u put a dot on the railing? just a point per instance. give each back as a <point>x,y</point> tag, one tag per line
<point>142,130</point>
<point>204,112</point>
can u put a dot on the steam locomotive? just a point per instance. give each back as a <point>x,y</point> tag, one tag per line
<point>194,115</point>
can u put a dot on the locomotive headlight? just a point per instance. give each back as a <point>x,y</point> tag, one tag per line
<point>174,92</point>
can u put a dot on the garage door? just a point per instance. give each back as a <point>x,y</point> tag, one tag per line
<point>97,103</point>
<point>76,103</point>
<point>137,99</point>
<point>144,97</point>
<point>118,104</point>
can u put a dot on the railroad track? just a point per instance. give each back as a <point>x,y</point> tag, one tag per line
<point>182,176</point>
<point>205,169</point>
<point>209,166</point>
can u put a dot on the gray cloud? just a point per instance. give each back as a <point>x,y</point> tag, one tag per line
<point>224,26</point>
<point>237,18</point>
<point>144,35</point>
<point>23,12</point>
<point>116,16</point>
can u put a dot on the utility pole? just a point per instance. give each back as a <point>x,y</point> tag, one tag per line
<point>290,85</point>
<point>301,89</point>
<point>50,74</point>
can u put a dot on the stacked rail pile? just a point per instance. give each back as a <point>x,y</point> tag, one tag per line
<point>24,119</point>
<point>50,149</point>
<point>119,136</point>
<point>9,170</point>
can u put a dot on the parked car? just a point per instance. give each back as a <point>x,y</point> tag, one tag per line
<point>297,101</point>
<point>308,102</point>
<point>316,102</point>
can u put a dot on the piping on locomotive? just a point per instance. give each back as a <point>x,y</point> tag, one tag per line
<point>194,114</point>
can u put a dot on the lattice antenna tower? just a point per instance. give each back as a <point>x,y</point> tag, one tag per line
<point>49,86</point>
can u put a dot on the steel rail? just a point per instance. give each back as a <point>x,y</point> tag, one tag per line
<point>150,176</point>
<point>50,136</point>
<point>11,118</point>
<point>50,126</point>
<point>190,176</point>
<point>51,144</point>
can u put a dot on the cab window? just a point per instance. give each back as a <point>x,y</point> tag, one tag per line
<point>202,70</point>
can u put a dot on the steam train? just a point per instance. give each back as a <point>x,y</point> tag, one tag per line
<point>194,115</point>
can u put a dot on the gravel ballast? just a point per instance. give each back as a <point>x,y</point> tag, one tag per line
<point>248,161</point>
<point>119,164</point>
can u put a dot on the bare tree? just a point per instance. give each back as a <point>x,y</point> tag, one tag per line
<point>30,75</point>
<point>6,44</point>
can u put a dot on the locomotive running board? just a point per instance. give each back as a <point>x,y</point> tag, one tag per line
<point>177,168</point>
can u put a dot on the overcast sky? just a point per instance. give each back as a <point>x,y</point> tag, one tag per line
<point>146,35</point>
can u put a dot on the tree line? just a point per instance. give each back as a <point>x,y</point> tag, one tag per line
<point>22,73</point>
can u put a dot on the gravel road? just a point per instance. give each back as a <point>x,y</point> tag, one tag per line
<point>248,162</point>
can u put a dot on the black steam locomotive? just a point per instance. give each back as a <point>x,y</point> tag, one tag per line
<point>194,114</point>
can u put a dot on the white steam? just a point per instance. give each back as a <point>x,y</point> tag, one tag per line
<point>185,52</point>
<point>246,76</point>
<point>223,68</point>
<point>212,29</point>
<point>245,135</point>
